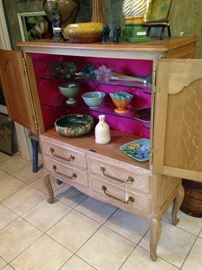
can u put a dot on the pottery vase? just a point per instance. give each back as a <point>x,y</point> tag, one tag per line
<point>134,8</point>
<point>102,131</point>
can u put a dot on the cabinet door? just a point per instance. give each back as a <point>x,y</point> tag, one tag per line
<point>177,134</point>
<point>16,89</point>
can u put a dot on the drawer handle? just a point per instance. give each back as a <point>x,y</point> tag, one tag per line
<point>71,158</point>
<point>74,175</point>
<point>129,180</point>
<point>130,199</point>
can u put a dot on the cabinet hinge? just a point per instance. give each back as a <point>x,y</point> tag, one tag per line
<point>24,66</point>
<point>154,81</point>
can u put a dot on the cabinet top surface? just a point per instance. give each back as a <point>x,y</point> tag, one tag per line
<point>153,46</point>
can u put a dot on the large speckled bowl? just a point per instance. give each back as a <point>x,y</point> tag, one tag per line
<point>74,125</point>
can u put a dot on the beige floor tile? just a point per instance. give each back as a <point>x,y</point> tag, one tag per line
<point>70,196</point>
<point>106,250</point>
<point>194,260</point>
<point>140,260</point>
<point>2,263</point>
<point>188,223</point>
<point>174,244</point>
<point>9,185</point>
<point>75,263</point>
<point>2,174</point>
<point>39,184</point>
<point>128,225</point>
<point>44,254</point>
<point>23,200</point>
<point>96,210</point>
<point>13,164</point>
<point>15,237</point>
<point>3,157</point>
<point>45,215</point>
<point>73,230</point>
<point>6,216</point>
<point>8,267</point>
<point>25,174</point>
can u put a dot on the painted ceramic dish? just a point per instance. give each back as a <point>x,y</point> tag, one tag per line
<point>121,100</point>
<point>144,116</point>
<point>74,125</point>
<point>138,149</point>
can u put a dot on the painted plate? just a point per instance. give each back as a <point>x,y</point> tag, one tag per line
<point>138,149</point>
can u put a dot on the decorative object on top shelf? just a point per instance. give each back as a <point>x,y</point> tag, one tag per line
<point>70,90</point>
<point>121,100</point>
<point>97,12</point>
<point>106,32</point>
<point>143,115</point>
<point>60,13</point>
<point>138,149</point>
<point>116,33</point>
<point>34,25</point>
<point>133,11</point>
<point>102,131</point>
<point>83,32</point>
<point>157,15</point>
<point>74,125</point>
<point>93,99</point>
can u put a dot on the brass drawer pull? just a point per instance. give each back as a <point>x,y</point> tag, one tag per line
<point>129,180</point>
<point>130,199</point>
<point>71,158</point>
<point>74,175</point>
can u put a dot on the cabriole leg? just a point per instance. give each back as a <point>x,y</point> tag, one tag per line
<point>49,188</point>
<point>177,203</point>
<point>154,237</point>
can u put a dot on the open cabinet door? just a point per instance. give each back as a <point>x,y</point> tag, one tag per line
<point>177,134</point>
<point>16,89</point>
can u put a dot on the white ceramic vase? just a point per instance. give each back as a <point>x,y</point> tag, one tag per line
<point>102,131</point>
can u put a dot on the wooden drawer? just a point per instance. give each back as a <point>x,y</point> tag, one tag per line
<point>66,173</point>
<point>128,200</point>
<point>121,173</point>
<point>64,153</point>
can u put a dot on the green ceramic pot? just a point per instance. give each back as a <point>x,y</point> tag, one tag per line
<point>70,90</point>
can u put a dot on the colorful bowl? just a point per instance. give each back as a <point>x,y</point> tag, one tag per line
<point>121,101</point>
<point>74,125</point>
<point>93,99</point>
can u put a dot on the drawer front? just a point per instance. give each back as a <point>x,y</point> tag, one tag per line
<point>128,200</point>
<point>66,173</point>
<point>120,173</point>
<point>65,154</point>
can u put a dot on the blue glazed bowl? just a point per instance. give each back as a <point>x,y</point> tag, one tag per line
<point>93,99</point>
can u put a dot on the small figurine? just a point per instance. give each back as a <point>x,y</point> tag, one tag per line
<point>106,32</point>
<point>116,33</point>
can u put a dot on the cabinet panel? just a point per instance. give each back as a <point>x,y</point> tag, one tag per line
<point>121,174</point>
<point>16,89</point>
<point>178,119</point>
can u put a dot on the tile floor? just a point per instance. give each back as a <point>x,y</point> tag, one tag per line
<point>80,233</point>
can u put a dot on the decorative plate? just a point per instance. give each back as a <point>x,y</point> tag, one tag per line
<point>138,149</point>
<point>144,116</point>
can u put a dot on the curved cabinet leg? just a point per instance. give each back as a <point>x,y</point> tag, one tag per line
<point>154,237</point>
<point>49,188</point>
<point>177,203</point>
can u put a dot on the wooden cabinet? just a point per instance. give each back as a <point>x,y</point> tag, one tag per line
<point>103,171</point>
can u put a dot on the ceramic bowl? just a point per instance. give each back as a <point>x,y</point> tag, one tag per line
<point>93,99</point>
<point>121,101</point>
<point>74,125</point>
<point>70,90</point>
<point>143,115</point>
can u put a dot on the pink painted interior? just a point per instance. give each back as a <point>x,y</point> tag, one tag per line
<point>53,103</point>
